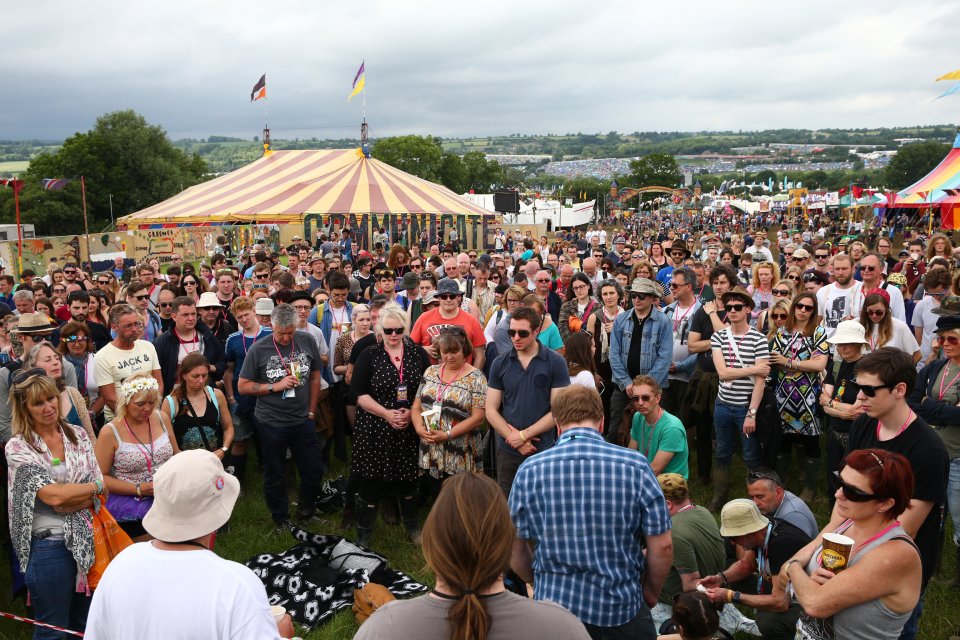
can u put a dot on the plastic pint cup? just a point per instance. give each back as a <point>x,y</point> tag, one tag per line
<point>836,552</point>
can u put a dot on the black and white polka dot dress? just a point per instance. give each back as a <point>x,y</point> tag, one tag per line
<point>381,452</point>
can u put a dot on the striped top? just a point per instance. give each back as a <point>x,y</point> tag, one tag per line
<point>739,352</point>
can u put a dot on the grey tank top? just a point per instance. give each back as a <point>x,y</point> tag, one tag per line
<point>866,621</point>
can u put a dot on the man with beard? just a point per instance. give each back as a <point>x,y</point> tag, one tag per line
<point>842,299</point>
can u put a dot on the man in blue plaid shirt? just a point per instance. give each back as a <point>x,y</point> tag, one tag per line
<point>585,505</point>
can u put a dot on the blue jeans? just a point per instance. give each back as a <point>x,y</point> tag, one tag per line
<point>51,578</point>
<point>912,625</point>
<point>728,424</point>
<point>953,498</point>
<point>304,443</point>
<point>640,628</point>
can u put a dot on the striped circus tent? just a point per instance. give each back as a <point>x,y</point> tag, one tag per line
<point>284,186</point>
<point>938,191</point>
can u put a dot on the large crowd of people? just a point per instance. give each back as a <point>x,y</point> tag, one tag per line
<point>594,376</point>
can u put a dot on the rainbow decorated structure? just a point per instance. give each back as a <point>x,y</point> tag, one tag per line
<point>939,190</point>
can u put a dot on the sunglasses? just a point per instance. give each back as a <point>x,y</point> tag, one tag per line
<point>805,307</point>
<point>143,297</point>
<point>821,256</point>
<point>103,282</point>
<point>392,331</point>
<point>778,316</point>
<point>638,296</point>
<point>165,304</point>
<point>23,375</point>
<point>793,277</point>
<point>495,278</point>
<point>70,272</point>
<point>850,492</point>
<point>734,307</point>
<point>867,268</point>
<point>870,390</point>
<point>547,280</point>
<point>876,313</point>
<point>523,333</point>
<point>642,398</point>
<point>937,294</point>
<point>75,339</point>
<point>193,283</point>
<point>447,296</point>
<point>950,340</point>
<point>754,476</point>
<point>677,285</point>
<point>780,292</point>
<point>788,255</point>
<point>258,276</point>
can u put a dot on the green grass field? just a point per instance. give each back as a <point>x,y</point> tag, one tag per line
<point>14,166</point>
<point>251,533</point>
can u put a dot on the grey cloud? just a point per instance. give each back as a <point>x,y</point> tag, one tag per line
<point>496,67</point>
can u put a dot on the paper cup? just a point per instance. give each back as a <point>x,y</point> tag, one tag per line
<point>836,552</point>
<point>278,612</point>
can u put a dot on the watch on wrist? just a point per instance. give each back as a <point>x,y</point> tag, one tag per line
<point>736,597</point>
<point>751,413</point>
<point>269,388</point>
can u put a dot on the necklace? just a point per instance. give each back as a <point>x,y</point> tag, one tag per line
<point>143,447</point>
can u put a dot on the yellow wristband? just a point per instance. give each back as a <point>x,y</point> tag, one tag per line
<point>729,596</point>
<point>523,437</point>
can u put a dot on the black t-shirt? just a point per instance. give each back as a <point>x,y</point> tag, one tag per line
<point>701,324</point>
<point>928,458</point>
<point>361,345</point>
<point>365,281</point>
<point>785,541</point>
<point>845,380</point>
<point>634,358</point>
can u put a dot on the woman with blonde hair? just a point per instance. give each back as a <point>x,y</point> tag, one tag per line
<point>774,318</point>
<point>53,483</point>
<point>130,450</point>
<point>765,276</point>
<point>799,353</point>
<point>468,540</point>
<point>793,275</point>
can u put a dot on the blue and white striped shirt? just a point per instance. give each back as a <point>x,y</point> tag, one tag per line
<point>588,504</point>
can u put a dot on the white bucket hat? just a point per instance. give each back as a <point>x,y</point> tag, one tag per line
<point>849,332</point>
<point>192,496</point>
<point>737,518</point>
<point>208,299</point>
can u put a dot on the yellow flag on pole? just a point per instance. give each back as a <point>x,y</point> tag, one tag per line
<point>359,81</point>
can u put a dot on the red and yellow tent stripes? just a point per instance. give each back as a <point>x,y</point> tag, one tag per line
<point>286,185</point>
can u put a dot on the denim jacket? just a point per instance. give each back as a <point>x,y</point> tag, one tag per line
<point>657,347</point>
<point>325,322</point>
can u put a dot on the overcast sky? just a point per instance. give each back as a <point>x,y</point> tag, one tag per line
<point>478,68</point>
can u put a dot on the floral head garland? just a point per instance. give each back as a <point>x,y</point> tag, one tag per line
<point>130,388</point>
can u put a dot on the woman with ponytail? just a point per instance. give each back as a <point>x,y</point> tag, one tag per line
<point>467,543</point>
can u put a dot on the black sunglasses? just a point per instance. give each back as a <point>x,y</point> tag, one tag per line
<point>143,297</point>
<point>870,390</point>
<point>734,307</point>
<point>103,282</point>
<point>852,493</point>
<point>805,307</point>
<point>780,292</point>
<point>390,331</point>
<point>754,476</point>
<point>821,256</point>
<point>638,296</point>
<point>258,276</point>
<point>22,375</point>
<point>447,296</point>
<point>187,283</point>
<point>523,333</point>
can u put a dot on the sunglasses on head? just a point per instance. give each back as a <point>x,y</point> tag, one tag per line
<point>390,331</point>
<point>734,307</point>
<point>523,333</point>
<point>754,476</point>
<point>805,307</point>
<point>23,375</point>
<point>850,492</point>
